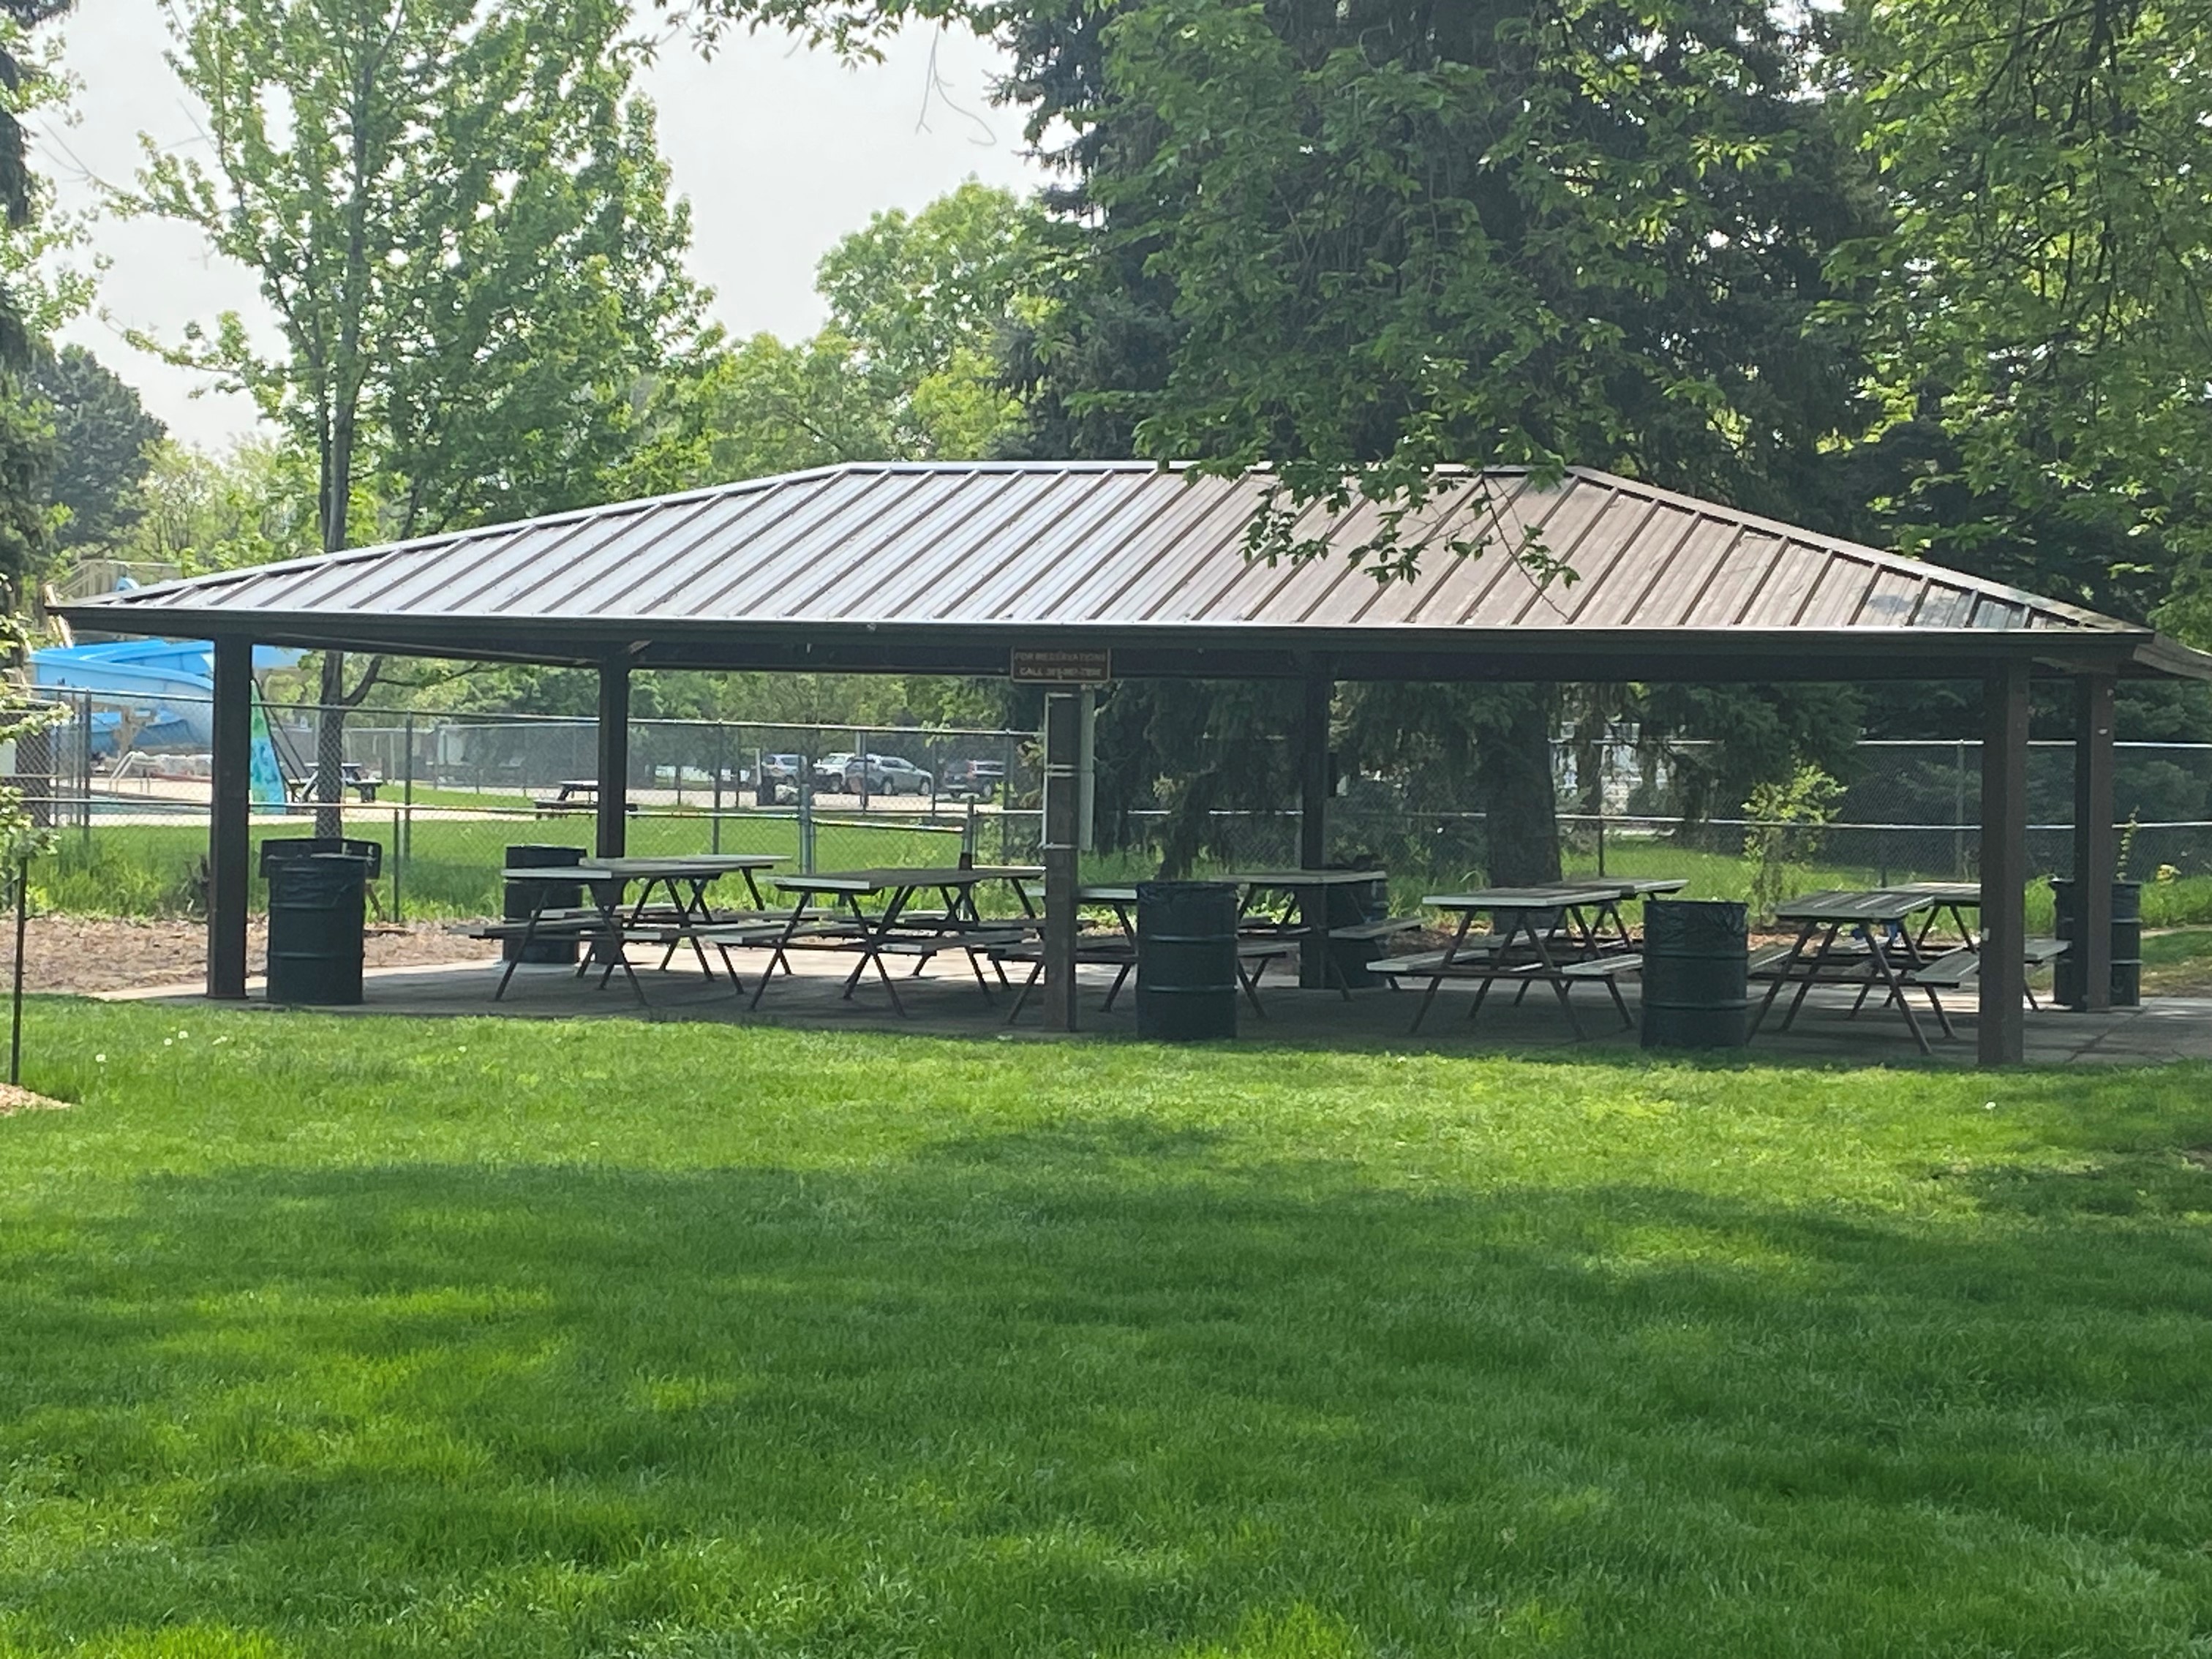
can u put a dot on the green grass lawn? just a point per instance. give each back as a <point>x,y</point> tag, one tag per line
<point>372,1337</point>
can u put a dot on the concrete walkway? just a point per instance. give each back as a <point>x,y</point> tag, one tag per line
<point>946,1002</point>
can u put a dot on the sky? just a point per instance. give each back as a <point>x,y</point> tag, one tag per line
<point>781,150</point>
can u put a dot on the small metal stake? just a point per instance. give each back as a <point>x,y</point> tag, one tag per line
<point>15,1015</point>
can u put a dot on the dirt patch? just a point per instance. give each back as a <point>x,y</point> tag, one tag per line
<point>86,954</point>
<point>2200,1155</point>
<point>12,1099</point>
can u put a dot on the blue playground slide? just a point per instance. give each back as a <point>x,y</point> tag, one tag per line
<point>165,689</point>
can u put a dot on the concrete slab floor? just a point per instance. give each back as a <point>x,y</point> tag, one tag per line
<point>947,1003</point>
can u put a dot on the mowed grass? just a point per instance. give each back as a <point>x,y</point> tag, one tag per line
<point>323,1336</point>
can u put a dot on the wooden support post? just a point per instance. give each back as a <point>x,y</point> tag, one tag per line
<point>228,824</point>
<point>1315,784</point>
<point>613,835</point>
<point>1063,718</point>
<point>2096,851</point>
<point>2003,975</point>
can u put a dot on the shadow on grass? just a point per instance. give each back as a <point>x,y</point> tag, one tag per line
<point>1094,1390</point>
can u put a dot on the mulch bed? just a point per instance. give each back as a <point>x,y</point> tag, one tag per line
<point>12,1099</point>
<point>91,954</point>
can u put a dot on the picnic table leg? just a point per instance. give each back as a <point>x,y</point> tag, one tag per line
<point>1036,970</point>
<point>1451,950</point>
<point>1781,978</point>
<point>783,940</point>
<point>872,951</point>
<point>529,933</point>
<point>1897,994</point>
<point>1813,972</point>
<point>1551,969</point>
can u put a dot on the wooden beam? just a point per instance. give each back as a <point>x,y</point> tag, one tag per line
<point>2002,1029</point>
<point>1063,719</point>
<point>229,835</point>
<point>2096,851</point>
<point>613,834</point>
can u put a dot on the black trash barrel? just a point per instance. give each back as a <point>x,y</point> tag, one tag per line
<point>1186,960</point>
<point>1697,988</point>
<point>522,897</point>
<point>1349,905</point>
<point>2069,985</point>
<point>277,848</point>
<point>315,910</point>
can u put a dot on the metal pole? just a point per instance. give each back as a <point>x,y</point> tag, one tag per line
<point>1062,723</point>
<point>15,1015</point>
<point>396,820</point>
<point>406,798</point>
<point>806,812</point>
<point>2001,1033</point>
<point>2096,858</point>
<point>613,827</point>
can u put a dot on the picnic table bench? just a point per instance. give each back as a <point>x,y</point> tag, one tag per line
<point>896,929</point>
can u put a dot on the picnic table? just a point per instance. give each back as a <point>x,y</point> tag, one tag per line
<point>1303,920</point>
<point>1858,939</point>
<point>1559,933</point>
<point>896,928</point>
<point>573,795</point>
<point>609,919</point>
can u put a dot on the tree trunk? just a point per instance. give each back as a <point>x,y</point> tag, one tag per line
<point>1521,812</point>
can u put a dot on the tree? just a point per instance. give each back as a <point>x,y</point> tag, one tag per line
<point>203,511</point>
<point>104,441</point>
<point>2035,309</point>
<point>906,368</point>
<point>461,224</point>
<point>21,87</point>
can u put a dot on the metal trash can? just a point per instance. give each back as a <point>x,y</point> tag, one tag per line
<point>316,905</point>
<point>1349,905</point>
<point>277,848</point>
<point>2069,985</point>
<point>521,897</point>
<point>1186,960</point>
<point>1697,974</point>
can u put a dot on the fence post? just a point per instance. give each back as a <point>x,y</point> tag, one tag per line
<point>1958,817</point>
<point>397,915</point>
<point>1007,802</point>
<point>407,790</point>
<point>721,758</point>
<point>806,814</point>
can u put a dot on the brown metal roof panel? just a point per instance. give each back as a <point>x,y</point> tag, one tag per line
<point>523,576</point>
<point>1945,604</point>
<point>1141,526</point>
<point>1458,514</point>
<point>1838,593</point>
<point>1739,575</point>
<point>1085,515</point>
<point>727,570</point>
<point>1784,584</point>
<point>1676,551</point>
<point>1629,560</point>
<point>1990,611</point>
<point>1543,525</point>
<point>951,549</point>
<point>1251,590</point>
<point>1611,535</point>
<point>671,538</point>
<point>1494,521</point>
<point>1196,588</point>
<point>728,577</point>
<point>1891,601</point>
<point>1207,525</point>
<point>742,533</point>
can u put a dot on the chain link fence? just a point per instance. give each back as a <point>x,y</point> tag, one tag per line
<point>128,786</point>
<point>128,792</point>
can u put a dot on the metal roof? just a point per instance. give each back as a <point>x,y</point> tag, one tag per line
<point>944,565</point>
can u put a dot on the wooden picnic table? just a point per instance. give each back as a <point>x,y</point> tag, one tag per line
<point>608,918</point>
<point>1863,940</point>
<point>1307,891</point>
<point>894,929</point>
<point>1573,932</point>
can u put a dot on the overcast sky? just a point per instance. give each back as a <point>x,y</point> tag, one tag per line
<point>781,151</point>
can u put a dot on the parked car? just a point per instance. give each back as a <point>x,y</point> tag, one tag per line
<point>779,780</point>
<point>886,774</point>
<point>830,771</point>
<point>972,779</point>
